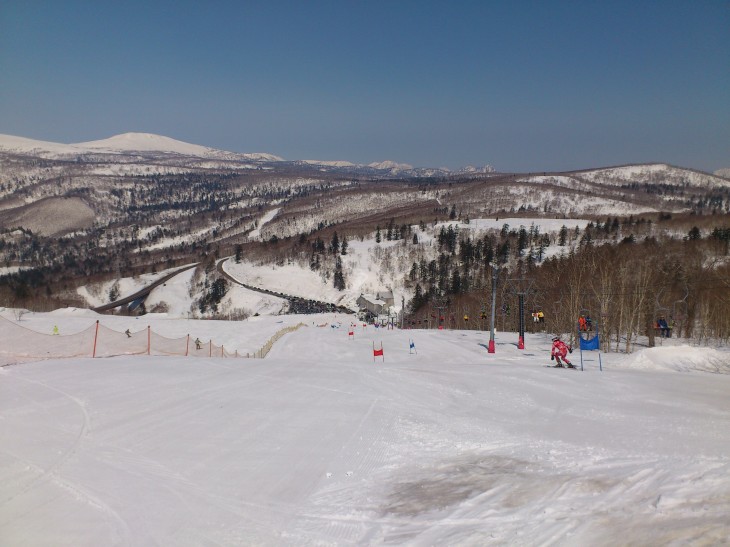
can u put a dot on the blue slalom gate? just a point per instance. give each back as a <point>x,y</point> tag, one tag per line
<point>589,340</point>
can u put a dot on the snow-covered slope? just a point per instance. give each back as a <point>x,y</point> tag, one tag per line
<point>659,173</point>
<point>320,444</point>
<point>21,145</point>
<point>627,175</point>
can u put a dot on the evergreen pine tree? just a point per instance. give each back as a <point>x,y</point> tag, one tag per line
<point>456,281</point>
<point>339,277</point>
<point>563,236</point>
<point>414,272</point>
<point>522,240</point>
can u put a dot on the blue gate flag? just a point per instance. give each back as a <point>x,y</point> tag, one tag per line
<point>591,344</point>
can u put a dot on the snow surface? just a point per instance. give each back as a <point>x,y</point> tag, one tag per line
<point>319,445</point>
<point>265,219</point>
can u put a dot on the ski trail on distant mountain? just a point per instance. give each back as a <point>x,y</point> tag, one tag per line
<point>268,217</point>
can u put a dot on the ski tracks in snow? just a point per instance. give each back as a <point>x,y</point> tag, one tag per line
<point>20,498</point>
<point>492,499</point>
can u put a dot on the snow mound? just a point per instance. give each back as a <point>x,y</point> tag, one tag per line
<point>73,312</point>
<point>681,359</point>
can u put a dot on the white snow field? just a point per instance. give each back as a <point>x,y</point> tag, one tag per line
<point>318,444</point>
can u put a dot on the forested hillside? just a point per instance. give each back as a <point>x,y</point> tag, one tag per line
<point>652,238</point>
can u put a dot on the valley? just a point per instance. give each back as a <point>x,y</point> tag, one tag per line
<point>92,214</point>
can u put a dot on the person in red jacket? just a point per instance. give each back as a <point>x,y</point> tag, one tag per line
<point>559,352</point>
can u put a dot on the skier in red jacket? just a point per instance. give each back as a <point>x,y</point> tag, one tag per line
<point>559,352</point>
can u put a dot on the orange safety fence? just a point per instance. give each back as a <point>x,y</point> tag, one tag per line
<point>23,343</point>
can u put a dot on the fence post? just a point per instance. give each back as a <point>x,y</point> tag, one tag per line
<point>149,336</point>
<point>187,345</point>
<point>96,335</point>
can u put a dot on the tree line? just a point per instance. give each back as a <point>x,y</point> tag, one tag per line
<point>625,283</point>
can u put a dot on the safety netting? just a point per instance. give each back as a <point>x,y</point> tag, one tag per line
<point>20,343</point>
<point>23,343</point>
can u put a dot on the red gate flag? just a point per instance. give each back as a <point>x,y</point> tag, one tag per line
<point>378,352</point>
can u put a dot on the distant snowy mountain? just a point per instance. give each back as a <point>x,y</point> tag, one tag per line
<point>469,169</point>
<point>389,168</point>
<point>391,165</point>
<point>22,145</point>
<point>328,163</point>
<point>151,144</point>
<point>126,143</point>
<point>54,189</point>
<point>148,142</point>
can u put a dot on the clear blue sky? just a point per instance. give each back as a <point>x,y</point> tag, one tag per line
<point>524,86</point>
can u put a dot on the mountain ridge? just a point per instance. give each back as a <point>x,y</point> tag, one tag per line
<point>139,142</point>
<point>143,178</point>
<point>125,143</point>
<point>130,143</point>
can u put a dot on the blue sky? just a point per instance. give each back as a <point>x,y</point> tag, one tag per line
<point>523,86</point>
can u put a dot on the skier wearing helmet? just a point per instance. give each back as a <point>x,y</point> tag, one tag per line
<point>559,352</point>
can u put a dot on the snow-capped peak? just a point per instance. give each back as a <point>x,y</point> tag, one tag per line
<point>126,143</point>
<point>391,165</point>
<point>149,142</point>
<point>146,142</point>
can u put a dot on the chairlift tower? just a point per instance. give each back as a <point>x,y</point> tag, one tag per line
<point>521,287</point>
<point>495,274</point>
<point>440,304</point>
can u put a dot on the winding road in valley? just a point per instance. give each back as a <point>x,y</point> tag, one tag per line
<point>296,304</point>
<point>142,293</point>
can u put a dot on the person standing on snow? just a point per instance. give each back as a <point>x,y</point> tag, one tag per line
<point>663,327</point>
<point>582,325</point>
<point>559,352</point>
